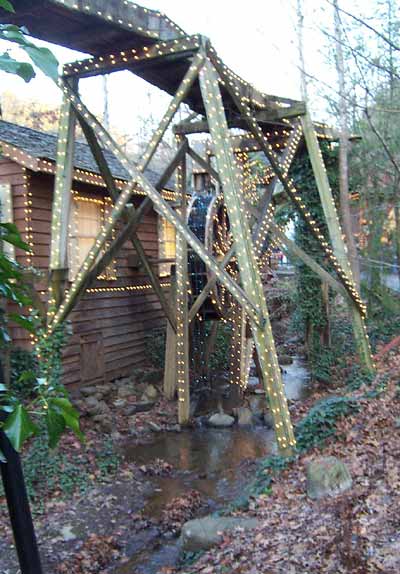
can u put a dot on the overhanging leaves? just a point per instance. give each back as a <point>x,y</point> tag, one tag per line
<point>55,426</point>
<point>11,66</point>
<point>6,5</point>
<point>43,58</point>
<point>19,427</point>
<point>63,407</point>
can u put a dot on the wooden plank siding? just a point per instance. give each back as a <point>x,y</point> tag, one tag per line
<point>109,327</point>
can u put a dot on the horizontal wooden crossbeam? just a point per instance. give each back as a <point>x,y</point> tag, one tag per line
<point>132,58</point>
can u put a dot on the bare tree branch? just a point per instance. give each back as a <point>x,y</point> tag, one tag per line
<point>374,30</point>
<point>382,141</point>
<point>358,53</point>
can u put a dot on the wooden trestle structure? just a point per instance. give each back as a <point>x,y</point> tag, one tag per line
<point>120,35</point>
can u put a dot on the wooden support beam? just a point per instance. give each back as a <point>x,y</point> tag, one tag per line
<point>116,245</point>
<point>296,198</point>
<point>133,58</point>
<point>203,163</point>
<point>62,196</point>
<point>127,214</point>
<point>73,99</point>
<point>335,232</point>
<point>182,301</point>
<point>170,367</point>
<point>269,120</point>
<point>160,204</point>
<point>245,253</point>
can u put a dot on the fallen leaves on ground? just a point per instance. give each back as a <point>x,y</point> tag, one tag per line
<point>96,553</point>
<point>357,532</point>
<point>180,510</point>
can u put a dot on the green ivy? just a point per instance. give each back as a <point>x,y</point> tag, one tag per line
<point>310,315</point>
<point>320,422</point>
<point>48,470</point>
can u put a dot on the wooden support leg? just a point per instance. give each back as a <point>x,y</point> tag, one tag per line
<point>170,347</point>
<point>235,347</point>
<point>335,232</point>
<point>246,350</point>
<point>182,301</point>
<point>249,273</point>
<point>62,197</point>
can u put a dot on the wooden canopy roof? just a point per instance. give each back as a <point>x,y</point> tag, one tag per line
<point>103,27</point>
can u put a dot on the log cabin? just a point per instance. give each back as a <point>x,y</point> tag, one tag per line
<point>110,323</point>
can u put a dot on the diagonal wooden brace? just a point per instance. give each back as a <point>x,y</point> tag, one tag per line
<point>245,253</point>
<point>296,198</point>
<point>160,204</point>
<point>127,214</point>
<point>261,227</point>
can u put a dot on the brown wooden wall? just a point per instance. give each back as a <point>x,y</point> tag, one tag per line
<point>109,328</point>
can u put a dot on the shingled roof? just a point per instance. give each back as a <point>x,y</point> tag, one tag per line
<point>43,145</point>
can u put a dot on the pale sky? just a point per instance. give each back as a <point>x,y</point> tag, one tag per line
<point>256,38</point>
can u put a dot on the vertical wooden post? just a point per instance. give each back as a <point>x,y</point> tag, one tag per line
<point>235,346</point>
<point>182,301</point>
<point>245,252</point>
<point>170,345</point>
<point>62,196</point>
<point>335,232</point>
<point>246,350</point>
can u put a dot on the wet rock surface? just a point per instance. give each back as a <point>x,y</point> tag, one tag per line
<point>327,476</point>
<point>203,533</point>
<point>220,420</point>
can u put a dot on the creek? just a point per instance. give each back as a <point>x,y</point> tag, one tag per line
<point>218,463</point>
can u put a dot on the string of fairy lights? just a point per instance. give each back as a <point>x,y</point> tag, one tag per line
<point>230,180</point>
<point>252,300</point>
<point>127,16</point>
<point>181,296</point>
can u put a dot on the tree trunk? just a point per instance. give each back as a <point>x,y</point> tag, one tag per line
<point>397,236</point>
<point>344,151</point>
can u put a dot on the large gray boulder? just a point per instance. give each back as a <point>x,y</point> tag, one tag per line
<point>203,533</point>
<point>327,476</point>
<point>220,420</point>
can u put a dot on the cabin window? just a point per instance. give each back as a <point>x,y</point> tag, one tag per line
<point>88,215</point>
<point>6,215</point>
<point>167,246</point>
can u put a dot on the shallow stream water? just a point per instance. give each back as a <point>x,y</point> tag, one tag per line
<point>218,463</point>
